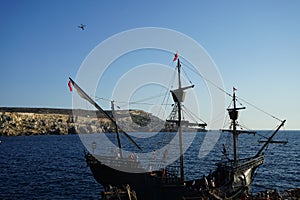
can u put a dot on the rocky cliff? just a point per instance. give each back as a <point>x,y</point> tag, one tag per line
<point>42,121</point>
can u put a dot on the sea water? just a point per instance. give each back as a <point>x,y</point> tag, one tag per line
<point>53,166</point>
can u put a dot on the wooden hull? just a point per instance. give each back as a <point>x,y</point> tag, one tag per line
<point>146,185</point>
<point>234,181</point>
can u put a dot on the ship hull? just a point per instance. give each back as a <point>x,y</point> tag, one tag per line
<point>147,185</point>
<point>234,181</point>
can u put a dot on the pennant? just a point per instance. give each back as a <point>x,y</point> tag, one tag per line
<point>70,86</point>
<point>234,89</point>
<point>175,57</point>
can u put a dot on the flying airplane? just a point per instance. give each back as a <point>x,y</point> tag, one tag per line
<point>82,26</point>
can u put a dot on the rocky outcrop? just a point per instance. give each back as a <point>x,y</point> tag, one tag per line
<point>42,121</point>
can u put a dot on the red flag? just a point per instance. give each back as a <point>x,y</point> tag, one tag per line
<point>175,57</point>
<point>234,89</point>
<point>70,86</point>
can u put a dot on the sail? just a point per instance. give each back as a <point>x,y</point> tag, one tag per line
<point>83,95</point>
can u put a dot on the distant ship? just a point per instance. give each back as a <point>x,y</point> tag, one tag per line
<point>231,180</point>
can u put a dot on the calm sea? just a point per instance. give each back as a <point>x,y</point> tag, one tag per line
<point>53,166</point>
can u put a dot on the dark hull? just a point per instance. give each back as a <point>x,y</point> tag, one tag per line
<point>235,181</point>
<point>146,185</point>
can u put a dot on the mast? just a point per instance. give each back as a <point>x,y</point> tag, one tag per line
<point>233,114</point>
<point>117,129</point>
<point>235,134</point>
<point>270,139</point>
<point>179,126</point>
<point>178,97</point>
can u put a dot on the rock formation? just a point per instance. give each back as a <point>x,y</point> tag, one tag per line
<point>42,121</point>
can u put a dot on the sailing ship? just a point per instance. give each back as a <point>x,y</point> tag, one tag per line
<point>232,178</point>
<point>166,182</point>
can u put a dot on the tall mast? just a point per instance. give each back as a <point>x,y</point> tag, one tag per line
<point>178,97</point>
<point>233,114</point>
<point>179,125</point>
<point>117,128</point>
<point>235,134</point>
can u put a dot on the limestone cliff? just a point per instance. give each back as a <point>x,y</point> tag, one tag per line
<point>39,121</point>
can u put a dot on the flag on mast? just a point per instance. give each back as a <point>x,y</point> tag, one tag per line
<point>175,57</point>
<point>70,86</point>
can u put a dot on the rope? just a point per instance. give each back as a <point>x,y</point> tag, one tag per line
<point>101,98</point>
<point>192,115</point>
<point>197,73</point>
<point>186,75</point>
<point>167,96</point>
<point>148,98</point>
<point>134,102</point>
<point>239,102</point>
<point>227,93</point>
<point>207,80</point>
<point>243,126</point>
<point>260,109</point>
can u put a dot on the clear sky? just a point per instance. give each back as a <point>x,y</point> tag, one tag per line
<point>255,45</point>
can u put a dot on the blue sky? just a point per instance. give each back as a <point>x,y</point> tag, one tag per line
<point>255,44</point>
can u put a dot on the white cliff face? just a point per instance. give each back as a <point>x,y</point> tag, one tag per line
<point>41,122</point>
<point>15,123</point>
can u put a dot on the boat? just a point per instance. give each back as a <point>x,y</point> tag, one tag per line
<point>232,178</point>
<point>164,182</point>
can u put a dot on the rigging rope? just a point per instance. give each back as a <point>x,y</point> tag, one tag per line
<point>134,102</point>
<point>101,98</point>
<point>192,115</point>
<point>197,73</point>
<point>167,96</point>
<point>207,80</point>
<point>148,98</point>
<point>260,109</point>
<point>187,75</point>
<point>221,89</point>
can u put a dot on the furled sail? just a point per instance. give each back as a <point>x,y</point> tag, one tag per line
<point>83,95</point>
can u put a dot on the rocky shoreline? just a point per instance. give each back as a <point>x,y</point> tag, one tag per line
<point>45,121</point>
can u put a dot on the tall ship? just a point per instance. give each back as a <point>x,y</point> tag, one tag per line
<point>232,176</point>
